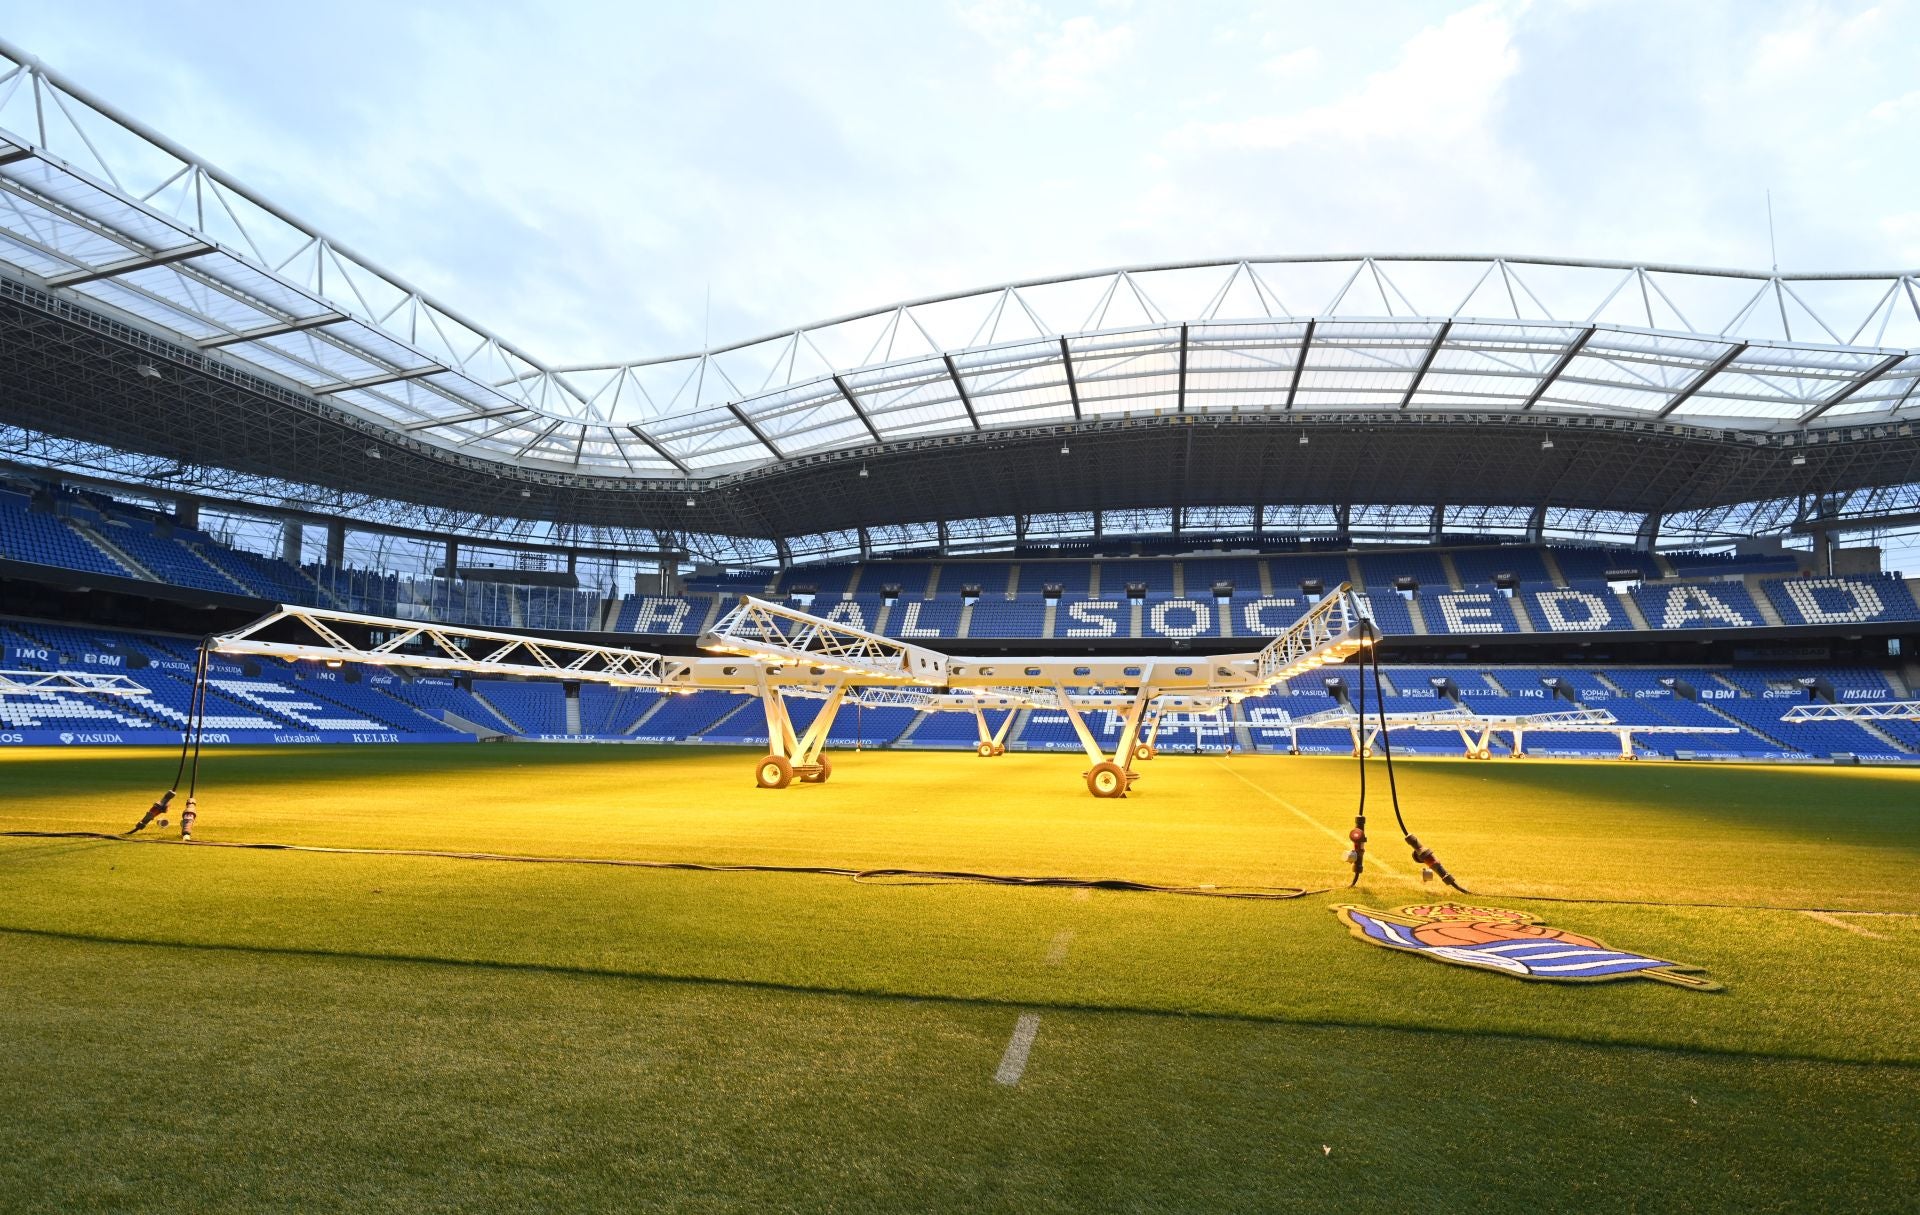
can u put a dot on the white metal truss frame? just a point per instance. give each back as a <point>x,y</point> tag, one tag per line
<point>777,635</point>
<point>318,635</point>
<point>770,650</point>
<point>95,204</point>
<point>1877,710</point>
<point>36,683</point>
<point>1477,730</point>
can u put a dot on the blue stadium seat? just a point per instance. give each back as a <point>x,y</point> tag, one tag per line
<point>1478,567</point>
<point>1850,599</point>
<point>44,539</point>
<point>1466,612</point>
<point>1697,605</point>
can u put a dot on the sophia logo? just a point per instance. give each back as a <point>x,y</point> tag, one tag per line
<point>1512,943</point>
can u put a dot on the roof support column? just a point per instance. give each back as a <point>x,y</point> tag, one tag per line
<point>1649,533</point>
<point>336,543</point>
<point>186,512</point>
<point>453,559</point>
<point>1180,398</point>
<point>1436,528</point>
<point>293,541</point>
<point>866,545</point>
<point>1537,525</point>
<point>1343,523</point>
<point>945,539</point>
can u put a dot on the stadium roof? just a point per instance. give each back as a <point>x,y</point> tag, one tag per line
<point>221,329</point>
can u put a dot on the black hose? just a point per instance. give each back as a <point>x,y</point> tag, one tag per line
<point>1422,854</point>
<point>894,876</point>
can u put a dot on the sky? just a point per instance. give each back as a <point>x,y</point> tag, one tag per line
<point>603,182</point>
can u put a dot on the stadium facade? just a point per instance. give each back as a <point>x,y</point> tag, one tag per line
<point>1556,480</point>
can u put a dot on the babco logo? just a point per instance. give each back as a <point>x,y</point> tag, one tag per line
<point>1510,942</point>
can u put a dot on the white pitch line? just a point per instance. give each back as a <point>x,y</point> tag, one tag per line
<point>1837,922</point>
<point>1306,818</point>
<point>1013,1064</point>
<point>1057,952</point>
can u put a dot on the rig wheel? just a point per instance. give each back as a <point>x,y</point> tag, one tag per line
<point>1144,751</point>
<point>820,777</point>
<point>985,750</point>
<point>774,772</point>
<point>1106,779</point>
<point>1483,753</point>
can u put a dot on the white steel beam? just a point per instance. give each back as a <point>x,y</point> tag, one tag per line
<point>1877,710</point>
<point>33,683</point>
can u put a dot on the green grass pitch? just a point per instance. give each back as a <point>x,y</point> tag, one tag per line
<point>194,1028</point>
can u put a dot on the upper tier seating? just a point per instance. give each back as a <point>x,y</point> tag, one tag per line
<point>1855,599</point>
<point>1382,569</point>
<point>1697,605</point>
<point>30,535</point>
<point>1480,566</point>
<point>1579,563</point>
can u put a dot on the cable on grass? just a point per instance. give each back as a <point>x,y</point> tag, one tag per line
<point>190,738</point>
<point>1429,863</point>
<point>1357,855</point>
<point>866,876</point>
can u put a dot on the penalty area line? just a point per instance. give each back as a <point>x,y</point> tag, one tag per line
<point>1304,817</point>
<point>1830,918</point>
<point>1013,1064</point>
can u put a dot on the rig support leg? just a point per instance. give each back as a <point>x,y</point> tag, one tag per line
<point>1108,776</point>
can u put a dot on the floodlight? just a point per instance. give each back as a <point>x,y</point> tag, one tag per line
<point>373,453</point>
<point>689,499</point>
<point>1546,444</point>
<point>1304,440</point>
<point>1063,447</point>
<point>1799,459</point>
<point>148,370</point>
<point>863,470</point>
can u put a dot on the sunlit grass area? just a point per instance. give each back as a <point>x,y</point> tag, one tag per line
<point>198,1027</point>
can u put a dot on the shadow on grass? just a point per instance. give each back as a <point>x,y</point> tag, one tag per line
<point>898,997</point>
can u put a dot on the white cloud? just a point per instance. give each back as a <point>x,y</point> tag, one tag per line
<point>1445,81</point>
<point>1058,62</point>
<point>1298,62</point>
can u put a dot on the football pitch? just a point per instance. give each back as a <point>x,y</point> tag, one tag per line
<point>207,1027</point>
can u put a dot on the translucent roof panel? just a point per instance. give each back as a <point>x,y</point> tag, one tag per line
<point>127,222</point>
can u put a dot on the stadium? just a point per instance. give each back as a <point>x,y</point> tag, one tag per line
<point>972,696</point>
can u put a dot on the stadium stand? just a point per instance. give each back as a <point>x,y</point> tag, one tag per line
<point>1381,570</point>
<point>1581,563</point>
<point>1073,577</point>
<point>1849,600</point>
<point>532,707</point>
<point>1468,612</point>
<point>1480,566</point>
<point>45,539</point>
